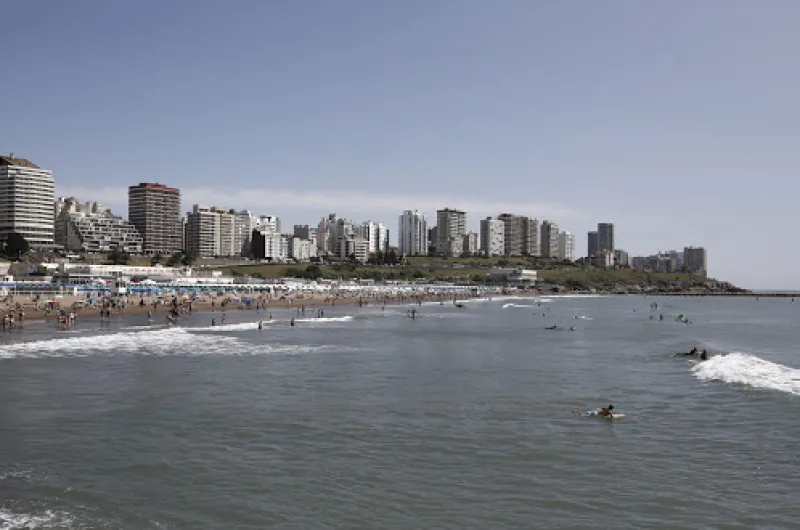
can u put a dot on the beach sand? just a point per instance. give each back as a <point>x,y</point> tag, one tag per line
<point>48,308</point>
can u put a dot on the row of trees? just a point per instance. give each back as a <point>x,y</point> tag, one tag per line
<point>16,246</point>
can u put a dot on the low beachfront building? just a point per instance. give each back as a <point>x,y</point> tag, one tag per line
<point>84,273</point>
<point>512,275</point>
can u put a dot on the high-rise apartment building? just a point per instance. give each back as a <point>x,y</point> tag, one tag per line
<point>513,234</point>
<point>566,247</point>
<point>213,231</point>
<point>307,233</point>
<point>492,237</point>
<point>26,201</point>
<point>472,243</point>
<point>694,260</point>
<point>549,246</point>
<point>533,238</point>
<point>412,233</point>
<point>155,211</point>
<point>203,232</point>
<point>521,235</point>
<point>375,234</point>
<point>605,236</point>
<point>451,226</point>
<point>593,244</point>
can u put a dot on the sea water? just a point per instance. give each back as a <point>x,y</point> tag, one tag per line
<point>459,418</point>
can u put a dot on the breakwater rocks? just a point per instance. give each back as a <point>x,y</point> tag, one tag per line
<point>661,287</point>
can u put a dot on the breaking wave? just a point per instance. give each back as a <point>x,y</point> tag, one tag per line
<point>167,342</point>
<point>746,369</point>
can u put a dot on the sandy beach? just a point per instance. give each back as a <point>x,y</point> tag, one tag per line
<point>17,309</point>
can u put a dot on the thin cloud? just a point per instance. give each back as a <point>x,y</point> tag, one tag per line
<point>317,203</point>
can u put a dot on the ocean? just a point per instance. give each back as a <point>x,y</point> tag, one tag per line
<point>463,418</point>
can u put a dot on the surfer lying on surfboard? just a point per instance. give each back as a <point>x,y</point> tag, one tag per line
<point>605,411</point>
<point>602,412</point>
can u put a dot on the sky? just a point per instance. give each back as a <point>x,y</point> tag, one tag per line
<point>677,121</point>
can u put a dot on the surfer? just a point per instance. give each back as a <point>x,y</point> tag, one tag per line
<point>704,356</point>
<point>605,411</point>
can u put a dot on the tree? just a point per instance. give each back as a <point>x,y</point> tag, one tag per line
<point>16,245</point>
<point>119,257</point>
<point>390,257</point>
<point>313,272</point>
<point>156,260</point>
<point>189,257</point>
<point>175,259</point>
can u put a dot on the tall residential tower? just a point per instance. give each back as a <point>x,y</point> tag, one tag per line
<point>27,195</point>
<point>412,235</point>
<point>155,211</point>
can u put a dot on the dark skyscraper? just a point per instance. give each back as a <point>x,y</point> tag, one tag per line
<point>605,236</point>
<point>593,245</point>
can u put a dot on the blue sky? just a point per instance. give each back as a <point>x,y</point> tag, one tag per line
<point>678,121</point>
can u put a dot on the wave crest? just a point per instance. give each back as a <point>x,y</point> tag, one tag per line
<point>746,369</point>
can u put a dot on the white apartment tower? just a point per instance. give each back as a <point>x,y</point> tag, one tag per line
<point>492,237</point>
<point>26,201</point>
<point>375,234</point>
<point>566,247</point>
<point>412,233</point>
<point>549,247</point>
<point>203,231</point>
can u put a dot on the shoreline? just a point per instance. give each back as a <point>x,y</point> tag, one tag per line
<point>33,312</point>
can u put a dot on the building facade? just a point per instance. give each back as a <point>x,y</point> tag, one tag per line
<point>472,244</point>
<point>566,247</point>
<point>354,247</point>
<point>203,231</point>
<point>412,233</point>
<point>605,236</point>
<point>375,234</point>
<point>492,237</point>
<point>26,202</point>
<point>513,234</point>
<point>155,211</point>
<point>269,246</point>
<point>451,226</point>
<point>594,243</point>
<point>549,245</point>
<point>91,227</point>
<point>694,260</point>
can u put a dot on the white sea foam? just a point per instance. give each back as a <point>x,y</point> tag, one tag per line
<point>47,519</point>
<point>18,474</point>
<point>528,306</point>
<point>241,326</point>
<point>742,368</point>
<point>161,343</point>
<point>346,318</point>
<point>173,341</point>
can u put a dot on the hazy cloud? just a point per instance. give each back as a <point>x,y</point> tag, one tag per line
<point>314,204</point>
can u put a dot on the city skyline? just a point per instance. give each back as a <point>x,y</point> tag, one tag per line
<point>157,227</point>
<point>392,107</point>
